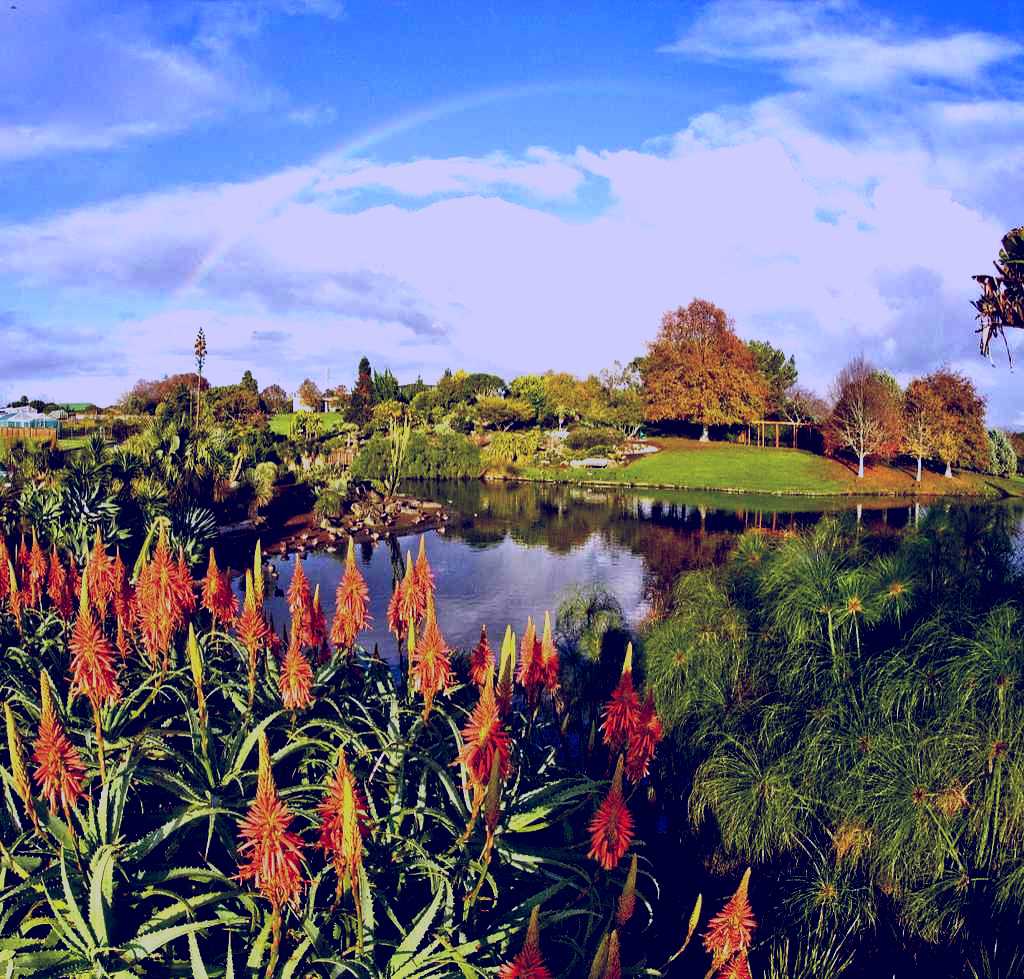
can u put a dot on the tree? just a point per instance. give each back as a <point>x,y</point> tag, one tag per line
<point>504,413</point>
<point>275,399</point>
<point>1001,304</point>
<point>360,407</point>
<point>564,393</point>
<point>961,438</point>
<point>249,383</point>
<point>531,388</point>
<point>310,395</point>
<point>922,414</point>
<point>385,387</point>
<point>780,373</point>
<point>699,370</point>
<point>865,414</point>
<point>619,399</point>
<point>803,405</point>
<point>1002,457</point>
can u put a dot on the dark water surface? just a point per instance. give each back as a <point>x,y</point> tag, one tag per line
<point>516,549</point>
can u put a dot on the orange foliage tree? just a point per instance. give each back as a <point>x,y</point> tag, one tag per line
<point>960,437</point>
<point>699,370</point>
<point>866,413</point>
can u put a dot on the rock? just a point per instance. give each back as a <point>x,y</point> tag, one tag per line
<point>430,505</point>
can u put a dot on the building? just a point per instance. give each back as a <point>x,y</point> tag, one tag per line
<point>27,423</point>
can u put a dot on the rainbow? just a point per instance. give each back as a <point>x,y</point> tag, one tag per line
<point>359,145</point>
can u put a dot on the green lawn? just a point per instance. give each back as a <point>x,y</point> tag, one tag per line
<point>70,444</point>
<point>329,420</point>
<point>688,464</point>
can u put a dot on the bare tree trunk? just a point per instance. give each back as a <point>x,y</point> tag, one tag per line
<point>919,469</point>
<point>704,433</point>
<point>860,466</point>
<point>949,471</point>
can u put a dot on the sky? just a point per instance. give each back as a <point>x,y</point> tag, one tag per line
<point>508,187</point>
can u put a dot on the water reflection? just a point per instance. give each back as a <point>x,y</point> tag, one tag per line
<point>512,550</point>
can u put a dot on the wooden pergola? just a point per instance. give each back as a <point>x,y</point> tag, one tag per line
<point>757,432</point>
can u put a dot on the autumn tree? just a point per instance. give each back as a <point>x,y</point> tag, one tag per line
<point>922,419</point>
<point>865,414</point>
<point>699,370</point>
<point>779,373</point>
<point>961,439</point>
<point>310,395</point>
<point>275,399</point>
<point>803,405</point>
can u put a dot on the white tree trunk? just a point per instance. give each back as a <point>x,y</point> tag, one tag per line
<point>919,469</point>
<point>860,467</point>
<point>949,471</point>
<point>704,434</point>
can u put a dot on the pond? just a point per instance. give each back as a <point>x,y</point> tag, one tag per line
<point>511,550</point>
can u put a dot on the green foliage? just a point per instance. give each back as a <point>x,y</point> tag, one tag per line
<point>512,448</point>
<point>444,456</point>
<point>1002,457</point>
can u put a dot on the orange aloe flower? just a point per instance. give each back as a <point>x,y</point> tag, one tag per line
<point>531,669</point>
<point>485,739</point>
<point>37,571</point>
<point>730,931</point>
<point>59,770</point>
<point>481,660</point>
<point>296,680</point>
<point>316,634</point>
<point>611,828</point>
<point>252,630</point>
<point>101,583</point>
<point>186,588</point>
<point>528,964</point>
<point>22,559</point>
<point>344,825</point>
<point>5,559</point>
<point>14,596</point>
<point>430,663</point>
<point>423,579</point>
<point>737,967</point>
<point>622,712</point>
<point>271,852</point>
<point>163,598</point>
<point>627,899</point>
<point>612,959</point>
<point>402,609</point>
<point>218,598</point>
<point>300,601</point>
<point>58,586</point>
<point>351,603</point>
<point>93,668</point>
<point>549,657</point>
<point>644,740</point>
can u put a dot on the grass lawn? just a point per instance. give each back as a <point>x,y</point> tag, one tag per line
<point>689,464</point>
<point>329,420</point>
<point>70,444</point>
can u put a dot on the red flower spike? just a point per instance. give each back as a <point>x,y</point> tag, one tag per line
<point>736,968</point>
<point>611,828</point>
<point>101,583</point>
<point>622,712</point>
<point>485,739</point>
<point>644,741</point>
<point>296,681</point>
<point>528,964</point>
<point>423,578</point>
<point>430,664</point>
<point>344,824</point>
<point>93,668</point>
<point>59,770</point>
<point>271,852</point>
<point>22,559</point>
<point>164,597</point>
<point>317,632</point>
<point>549,657</point>
<point>351,603</point>
<point>481,660</point>
<point>14,596</point>
<point>5,559</point>
<point>37,571</point>
<point>531,669</point>
<point>613,960</point>
<point>217,597</point>
<point>300,601</point>
<point>58,587</point>
<point>730,931</point>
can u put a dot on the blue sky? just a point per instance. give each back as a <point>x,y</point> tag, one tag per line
<point>508,187</point>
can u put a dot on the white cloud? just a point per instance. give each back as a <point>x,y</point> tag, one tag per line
<point>835,44</point>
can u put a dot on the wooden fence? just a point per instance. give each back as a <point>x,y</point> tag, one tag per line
<point>16,433</point>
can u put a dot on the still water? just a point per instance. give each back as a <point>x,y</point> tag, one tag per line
<point>513,550</point>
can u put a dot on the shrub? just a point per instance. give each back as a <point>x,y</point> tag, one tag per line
<point>588,439</point>
<point>1002,458</point>
<point>446,456</point>
<point>512,448</point>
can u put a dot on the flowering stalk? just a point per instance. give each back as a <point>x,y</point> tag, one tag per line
<point>59,770</point>
<point>506,671</point>
<point>622,712</point>
<point>611,828</point>
<point>195,661</point>
<point>528,964</point>
<point>481,660</point>
<point>430,665</point>
<point>352,603</point>
<point>252,630</point>
<point>730,931</point>
<point>22,783</point>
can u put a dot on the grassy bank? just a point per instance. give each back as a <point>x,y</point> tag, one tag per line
<point>724,466</point>
<point>281,424</point>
